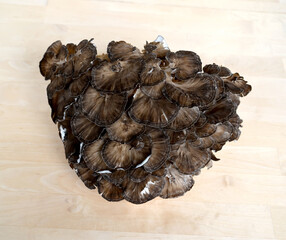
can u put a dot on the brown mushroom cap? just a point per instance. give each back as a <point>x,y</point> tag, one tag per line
<point>84,55</point>
<point>176,136</point>
<point>207,130</point>
<point>78,85</point>
<point>152,73</point>
<point>92,156</point>
<point>237,85</point>
<point>155,91</point>
<point>186,64</point>
<point>223,132</point>
<point>103,109</point>
<point>143,191</point>
<point>217,70</point>
<point>197,91</point>
<point>84,129</point>
<point>124,129</point>
<point>86,175</point>
<point>159,47</point>
<point>211,68</point>
<point>71,143</point>
<point>176,183</point>
<point>191,159</point>
<point>116,77</point>
<point>138,174</point>
<point>124,155</point>
<point>159,151</point>
<point>122,50</point>
<point>155,113</point>
<point>53,59</point>
<point>60,101</point>
<point>221,111</point>
<point>116,177</point>
<point>109,191</point>
<point>57,83</point>
<point>185,118</point>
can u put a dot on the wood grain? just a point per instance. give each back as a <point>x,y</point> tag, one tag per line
<point>241,197</point>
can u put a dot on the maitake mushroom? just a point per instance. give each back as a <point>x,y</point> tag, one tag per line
<point>138,125</point>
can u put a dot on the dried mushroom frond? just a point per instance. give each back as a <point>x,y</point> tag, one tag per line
<point>125,155</point>
<point>140,124</point>
<point>176,183</point>
<point>124,129</point>
<point>101,108</point>
<point>153,112</point>
<point>185,64</point>
<point>198,91</point>
<point>159,47</point>
<point>116,77</point>
<point>152,73</point>
<point>123,51</point>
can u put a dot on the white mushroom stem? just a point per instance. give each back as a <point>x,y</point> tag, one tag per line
<point>63,132</point>
<point>104,171</point>
<point>146,189</point>
<point>80,152</point>
<point>142,163</point>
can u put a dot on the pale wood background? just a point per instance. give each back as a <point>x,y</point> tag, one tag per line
<point>242,197</point>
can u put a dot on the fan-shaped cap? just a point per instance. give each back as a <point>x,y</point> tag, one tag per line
<point>176,136</point>
<point>71,144</point>
<point>152,73</point>
<point>159,47</point>
<point>124,155</point>
<point>124,129</point>
<point>159,151</point>
<point>53,59</point>
<point>57,83</point>
<point>191,159</point>
<point>155,113</point>
<point>86,175</point>
<point>85,53</point>
<point>122,50</point>
<point>237,85</point>
<point>217,70</point>
<point>79,84</point>
<point>185,118</point>
<point>138,174</point>
<point>220,89</point>
<point>235,121</point>
<point>185,64</point>
<point>143,191</point>
<point>60,101</point>
<point>197,91</point>
<point>109,191</point>
<point>116,177</point>
<point>176,183</point>
<point>223,132</point>
<point>103,109</point>
<point>71,49</point>
<point>211,68</point>
<point>117,76</point>
<point>155,91</point>
<point>221,111</point>
<point>224,72</point>
<point>92,156</point>
<point>207,130</point>
<point>84,129</point>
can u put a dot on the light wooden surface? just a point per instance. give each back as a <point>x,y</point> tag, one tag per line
<point>242,197</point>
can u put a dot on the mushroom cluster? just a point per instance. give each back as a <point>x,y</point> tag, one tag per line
<point>140,124</point>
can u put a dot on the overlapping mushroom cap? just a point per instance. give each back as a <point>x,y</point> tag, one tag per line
<point>137,125</point>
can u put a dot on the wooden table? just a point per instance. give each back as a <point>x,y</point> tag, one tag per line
<point>242,197</point>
